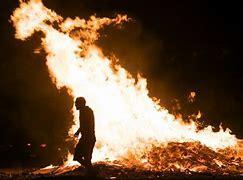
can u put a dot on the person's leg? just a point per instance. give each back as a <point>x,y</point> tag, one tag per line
<point>88,153</point>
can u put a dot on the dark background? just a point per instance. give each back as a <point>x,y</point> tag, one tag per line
<point>179,46</point>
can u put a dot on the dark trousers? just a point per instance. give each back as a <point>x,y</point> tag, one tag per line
<point>84,150</point>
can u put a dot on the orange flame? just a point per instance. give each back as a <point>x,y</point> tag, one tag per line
<point>127,119</point>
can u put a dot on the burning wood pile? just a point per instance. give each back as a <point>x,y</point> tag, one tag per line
<point>194,157</point>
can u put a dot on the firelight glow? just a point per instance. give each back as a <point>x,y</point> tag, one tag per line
<point>127,120</point>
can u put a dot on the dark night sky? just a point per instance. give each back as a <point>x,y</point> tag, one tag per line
<point>179,46</point>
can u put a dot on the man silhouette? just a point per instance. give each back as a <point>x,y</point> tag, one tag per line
<point>84,148</point>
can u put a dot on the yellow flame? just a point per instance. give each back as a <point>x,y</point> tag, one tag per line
<point>127,119</point>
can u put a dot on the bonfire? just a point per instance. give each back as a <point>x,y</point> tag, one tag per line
<point>136,130</point>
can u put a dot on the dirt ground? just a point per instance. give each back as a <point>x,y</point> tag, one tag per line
<point>109,172</point>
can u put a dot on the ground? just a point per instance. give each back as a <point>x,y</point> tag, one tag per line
<point>109,172</point>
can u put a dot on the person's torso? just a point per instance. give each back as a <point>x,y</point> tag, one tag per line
<point>86,118</point>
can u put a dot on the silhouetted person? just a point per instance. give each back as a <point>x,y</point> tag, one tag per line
<point>84,148</point>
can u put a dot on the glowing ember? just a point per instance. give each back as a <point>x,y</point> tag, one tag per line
<point>129,124</point>
<point>199,115</point>
<point>42,145</point>
<point>191,97</point>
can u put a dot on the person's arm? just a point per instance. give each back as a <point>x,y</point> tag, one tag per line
<point>79,129</point>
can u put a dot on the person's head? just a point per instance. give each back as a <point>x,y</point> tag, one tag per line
<point>80,102</point>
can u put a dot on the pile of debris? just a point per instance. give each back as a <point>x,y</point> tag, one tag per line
<point>194,157</point>
<point>188,159</point>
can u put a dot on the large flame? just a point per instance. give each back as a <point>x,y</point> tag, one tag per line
<point>127,119</point>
